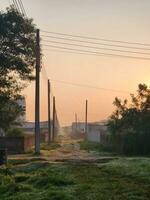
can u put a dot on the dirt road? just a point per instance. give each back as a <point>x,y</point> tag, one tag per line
<point>69,151</point>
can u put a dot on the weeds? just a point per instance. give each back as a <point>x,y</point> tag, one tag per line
<point>125,178</point>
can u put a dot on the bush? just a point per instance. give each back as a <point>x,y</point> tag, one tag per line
<point>136,143</point>
<point>129,124</point>
<point>15,132</point>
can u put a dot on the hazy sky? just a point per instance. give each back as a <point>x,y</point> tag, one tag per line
<point>111,19</point>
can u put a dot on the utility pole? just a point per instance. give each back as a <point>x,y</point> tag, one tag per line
<point>37,94</point>
<point>54,115</point>
<point>49,114</point>
<point>76,121</point>
<point>86,118</point>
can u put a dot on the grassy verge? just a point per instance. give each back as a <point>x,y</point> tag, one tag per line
<point>122,179</point>
<point>51,146</point>
<point>96,147</point>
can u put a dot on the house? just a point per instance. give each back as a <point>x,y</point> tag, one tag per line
<point>29,127</point>
<point>97,132</point>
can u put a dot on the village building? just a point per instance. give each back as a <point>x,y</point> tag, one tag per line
<point>97,132</point>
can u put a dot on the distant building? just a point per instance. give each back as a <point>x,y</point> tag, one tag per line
<point>78,130</point>
<point>78,127</point>
<point>96,132</point>
<point>30,126</point>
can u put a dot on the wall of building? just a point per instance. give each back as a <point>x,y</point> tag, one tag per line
<point>93,133</point>
<point>16,145</point>
<point>12,144</point>
<point>78,127</point>
<point>97,133</point>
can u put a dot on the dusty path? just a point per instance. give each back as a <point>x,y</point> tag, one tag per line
<point>69,151</point>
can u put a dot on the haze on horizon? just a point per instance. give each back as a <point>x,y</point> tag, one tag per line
<point>110,19</point>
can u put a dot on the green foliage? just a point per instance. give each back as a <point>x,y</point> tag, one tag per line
<point>129,124</point>
<point>97,148</point>
<point>51,146</point>
<point>125,178</point>
<point>17,39</point>
<point>91,146</point>
<point>15,132</point>
<point>9,111</point>
<point>17,61</point>
<point>37,181</point>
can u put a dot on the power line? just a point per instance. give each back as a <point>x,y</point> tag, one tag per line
<point>17,6</point>
<point>22,8</point>
<point>70,52</point>
<point>73,52</point>
<point>45,76</point>
<point>97,53</point>
<point>94,47</point>
<point>89,86</point>
<point>96,43</point>
<point>94,38</point>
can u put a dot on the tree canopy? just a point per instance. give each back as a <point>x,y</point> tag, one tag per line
<point>130,123</point>
<point>17,59</point>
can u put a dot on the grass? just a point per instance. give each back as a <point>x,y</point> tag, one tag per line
<point>125,178</point>
<point>39,180</point>
<point>51,146</point>
<point>122,179</point>
<point>97,148</point>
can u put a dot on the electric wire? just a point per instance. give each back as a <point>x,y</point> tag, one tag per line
<point>89,86</point>
<point>14,4</point>
<point>94,47</point>
<point>17,6</point>
<point>70,52</point>
<point>95,43</point>
<point>95,38</point>
<point>22,7</point>
<point>97,53</point>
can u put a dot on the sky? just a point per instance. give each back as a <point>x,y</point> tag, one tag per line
<point>110,19</point>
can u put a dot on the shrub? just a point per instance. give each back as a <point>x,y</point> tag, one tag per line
<point>15,132</point>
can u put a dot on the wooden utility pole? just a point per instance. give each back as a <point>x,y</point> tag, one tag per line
<point>37,94</point>
<point>76,121</point>
<point>54,118</point>
<point>86,117</point>
<point>49,114</point>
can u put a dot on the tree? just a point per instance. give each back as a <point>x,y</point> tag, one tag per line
<point>17,61</point>
<point>130,124</point>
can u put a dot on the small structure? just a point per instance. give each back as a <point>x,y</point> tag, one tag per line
<point>78,127</point>
<point>15,145</point>
<point>97,132</point>
<point>78,130</point>
<point>29,127</point>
